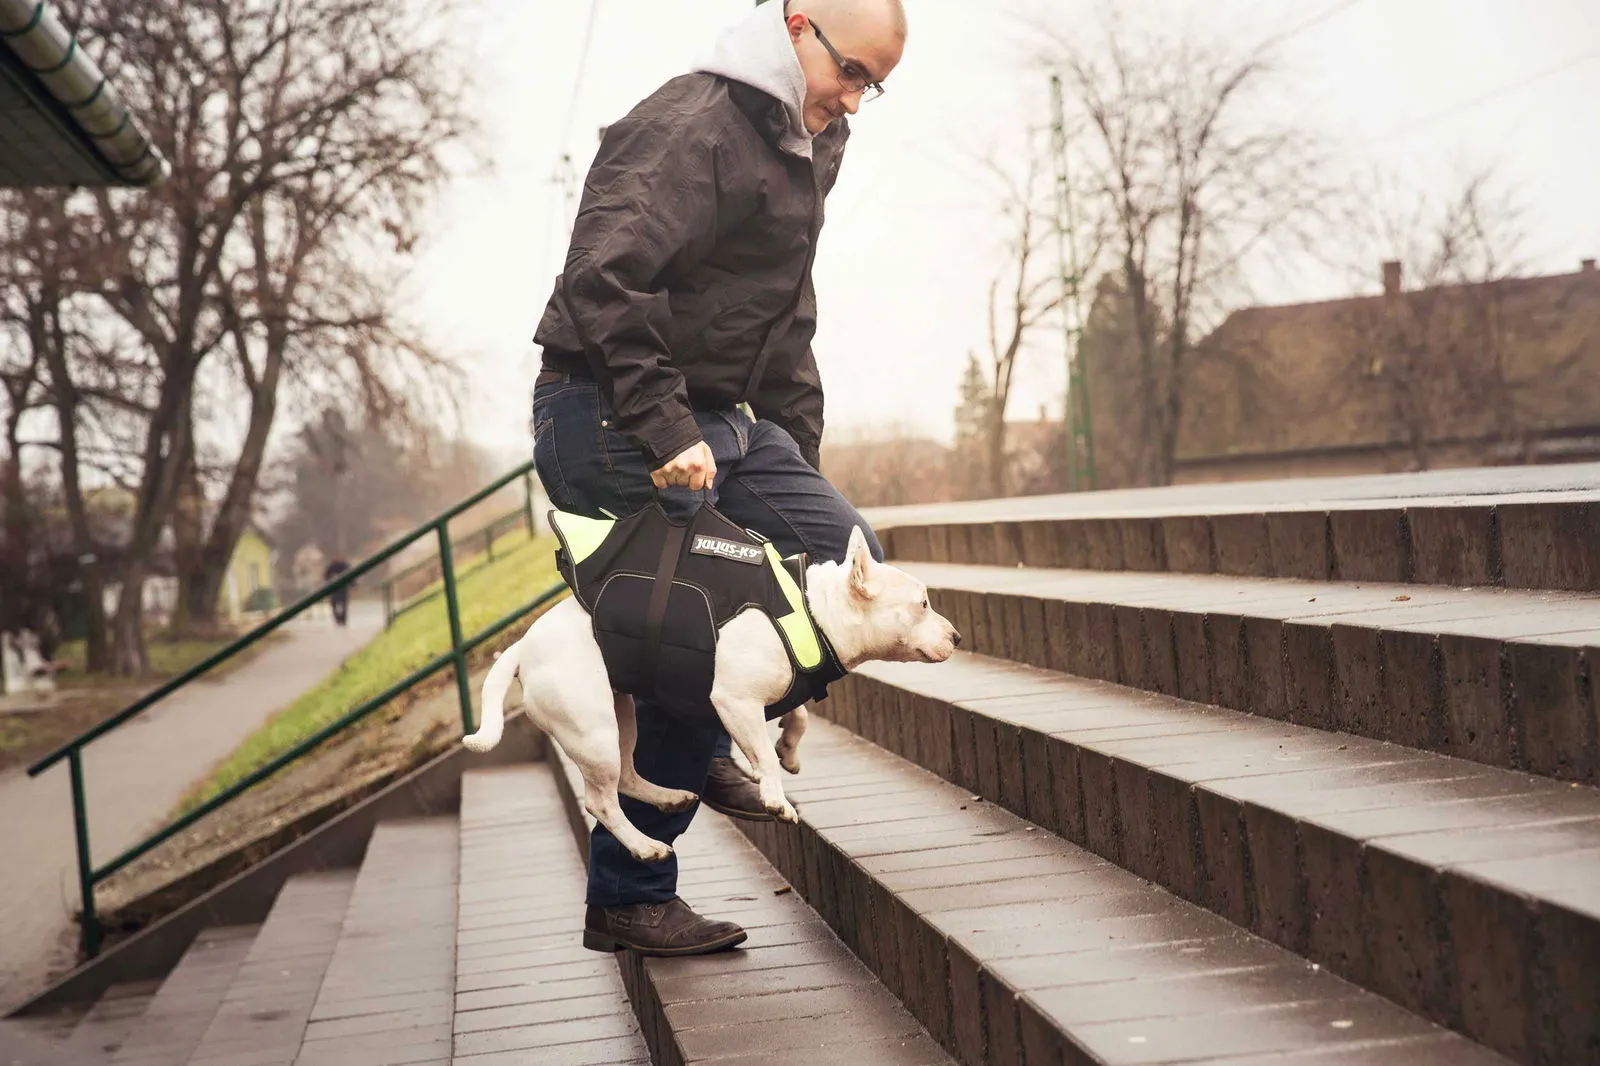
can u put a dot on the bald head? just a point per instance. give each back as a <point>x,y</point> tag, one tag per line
<point>844,47</point>
<point>889,15</point>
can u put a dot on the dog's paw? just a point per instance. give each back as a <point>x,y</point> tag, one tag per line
<point>790,761</point>
<point>787,813</point>
<point>652,851</point>
<point>677,799</point>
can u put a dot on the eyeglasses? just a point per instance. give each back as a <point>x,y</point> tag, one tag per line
<point>852,78</point>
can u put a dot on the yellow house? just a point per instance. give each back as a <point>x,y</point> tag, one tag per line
<point>248,586</point>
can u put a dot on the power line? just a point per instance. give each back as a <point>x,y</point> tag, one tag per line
<point>1491,95</point>
<point>577,81</point>
<point>1301,27</point>
<point>562,178</point>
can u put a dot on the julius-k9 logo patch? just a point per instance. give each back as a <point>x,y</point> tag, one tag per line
<point>728,549</point>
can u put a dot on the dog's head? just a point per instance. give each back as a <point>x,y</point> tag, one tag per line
<point>894,619</point>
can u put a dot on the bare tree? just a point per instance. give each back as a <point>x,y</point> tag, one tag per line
<point>304,136</point>
<point>1189,181</point>
<point>42,322</point>
<point>895,466</point>
<point>349,486</point>
<point>1024,294</point>
<point>1438,342</point>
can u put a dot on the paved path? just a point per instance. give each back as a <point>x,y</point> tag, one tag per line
<point>134,775</point>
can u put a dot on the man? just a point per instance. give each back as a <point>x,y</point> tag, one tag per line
<point>686,305</point>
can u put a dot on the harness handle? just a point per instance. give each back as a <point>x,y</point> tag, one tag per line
<point>655,614</point>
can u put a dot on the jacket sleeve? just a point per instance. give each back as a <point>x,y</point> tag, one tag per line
<point>791,393</point>
<point>791,397</point>
<point>650,198</point>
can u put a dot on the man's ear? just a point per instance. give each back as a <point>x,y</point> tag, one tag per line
<point>859,558</point>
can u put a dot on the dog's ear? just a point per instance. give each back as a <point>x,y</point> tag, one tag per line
<point>859,558</point>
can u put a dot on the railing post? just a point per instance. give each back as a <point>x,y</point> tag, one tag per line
<point>388,604</point>
<point>488,543</point>
<point>527,501</point>
<point>80,822</point>
<point>457,639</point>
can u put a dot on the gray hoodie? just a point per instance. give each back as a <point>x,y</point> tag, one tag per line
<point>757,51</point>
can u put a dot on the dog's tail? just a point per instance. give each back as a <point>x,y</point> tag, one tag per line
<point>494,699</point>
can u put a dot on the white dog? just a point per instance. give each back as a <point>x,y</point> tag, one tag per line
<point>867,610</point>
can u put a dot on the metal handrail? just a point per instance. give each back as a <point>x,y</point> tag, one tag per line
<point>432,591</point>
<point>460,646</point>
<point>304,604</point>
<point>490,528</point>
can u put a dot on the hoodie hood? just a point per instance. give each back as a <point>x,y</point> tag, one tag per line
<point>757,52</point>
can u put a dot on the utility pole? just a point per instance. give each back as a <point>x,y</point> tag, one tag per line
<point>1079,425</point>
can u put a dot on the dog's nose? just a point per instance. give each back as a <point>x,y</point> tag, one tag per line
<point>955,637</point>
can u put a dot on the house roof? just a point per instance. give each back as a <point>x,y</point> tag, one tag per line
<point>1306,377</point>
<point>62,122</point>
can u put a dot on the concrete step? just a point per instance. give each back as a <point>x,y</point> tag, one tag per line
<point>180,1012</point>
<point>105,1026</point>
<point>526,990</point>
<point>262,1018</point>
<point>791,995</point>
<point>386,997</point>
<point>1499,676</point>
<point>1475,531</point>
<point>39,1040</point>
<point>1015,946</point>
<point>1468,894</point>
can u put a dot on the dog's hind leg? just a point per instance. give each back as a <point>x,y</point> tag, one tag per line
<point>630,783</point>
<point>794,728</point>
<point>579,717</point>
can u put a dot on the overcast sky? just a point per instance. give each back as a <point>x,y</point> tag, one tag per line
<point>1419,87</point>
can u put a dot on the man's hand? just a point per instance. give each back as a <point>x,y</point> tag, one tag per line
<point>693,467</point>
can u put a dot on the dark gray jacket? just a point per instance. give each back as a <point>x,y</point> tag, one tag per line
<point>688,282</point>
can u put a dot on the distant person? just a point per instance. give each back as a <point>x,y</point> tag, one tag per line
<point>339,601</point>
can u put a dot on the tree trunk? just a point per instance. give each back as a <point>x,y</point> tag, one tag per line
<point>14,546</point>
<point>166,454</point>
<point>190,616</point>
<point>129,655</point>
<point>1149,402</point>
<point>13,505</point>
<point>233,516</point>
<point>996,440</point>
<point>64,394</point>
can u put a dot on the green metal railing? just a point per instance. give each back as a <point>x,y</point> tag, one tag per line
<point>461,646</point>
<point>485,535</point>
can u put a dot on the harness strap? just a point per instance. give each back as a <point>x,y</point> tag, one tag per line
<point>656,614</point>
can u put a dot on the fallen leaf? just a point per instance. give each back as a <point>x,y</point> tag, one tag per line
<point>1401,599</point>
<point>782,891</point>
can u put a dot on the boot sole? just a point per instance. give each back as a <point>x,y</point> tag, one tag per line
<point>763,815</point>
<point>603,942</point>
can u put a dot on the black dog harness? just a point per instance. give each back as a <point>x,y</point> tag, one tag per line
<point>659,591</point>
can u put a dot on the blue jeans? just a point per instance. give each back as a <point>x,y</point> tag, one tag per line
<point>587,467</point>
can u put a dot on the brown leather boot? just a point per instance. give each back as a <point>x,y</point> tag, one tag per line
<point>730,791</point>
<point>669,928</point>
